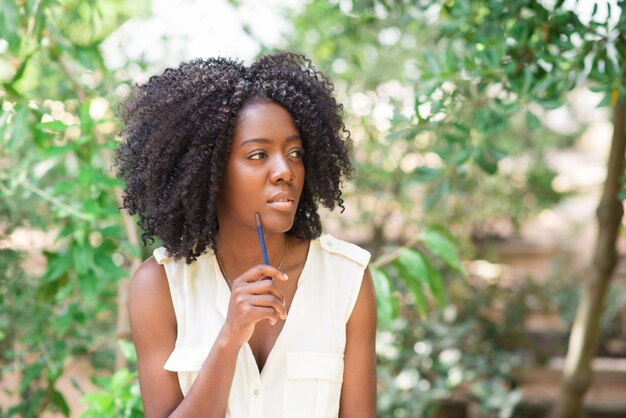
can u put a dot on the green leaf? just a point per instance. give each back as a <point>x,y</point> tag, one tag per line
<point>86,123</point>
<point>8,87</point>
<point>461,156</point>
<point>113,232</point>
<point>59,401</point>
<point>128,350</point>
<point>63,322</point>
<point>496,152</point>
<point>407,133</point>
<point>442,247</point>
<point>440,191</point>
<point>543,87</point>
<point>483,119</point>
<point>9,25</point>
<point>527,80</point>
<point>89,287</point>
<point>463,130</point>
<point>54,126</point>
<point>4,118</point>
<point>32,372</point>
<point>98,402</point>
<point>384,296</point>
<point>432,62</point>
<point>55,151</point>
<point>65,232</point>
<point>58,265</point>
<point>436,285</point>
<point>454,138</point>
<point>606,100</point>
<point>20,130</point>
<point>426,174</point>
<point>63,187</point>
<point>425,272</point>
<point>120,379</point>
<point>83,257</point>
<point>105,268</point>
<point>86,176</point>
<point>20,70</point>
<point>532,120</point>
<point>413,272</point>
<point>550,103</point>
<point>485,160</point>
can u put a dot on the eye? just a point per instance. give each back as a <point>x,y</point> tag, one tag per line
<point>296,153</point>
<point>257,155</point>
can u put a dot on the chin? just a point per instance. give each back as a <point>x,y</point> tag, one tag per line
<point>277,222</point>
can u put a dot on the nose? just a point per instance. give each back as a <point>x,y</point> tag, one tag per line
<point>281,170</point>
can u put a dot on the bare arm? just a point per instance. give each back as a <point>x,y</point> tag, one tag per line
<point>153,325</point>
<point>358,393</point>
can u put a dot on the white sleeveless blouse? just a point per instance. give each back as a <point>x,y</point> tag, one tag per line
<point>303,374</point>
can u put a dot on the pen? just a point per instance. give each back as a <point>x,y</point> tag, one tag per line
<point>259,230</point>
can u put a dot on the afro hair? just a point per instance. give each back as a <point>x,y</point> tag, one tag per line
<point>176,139</point>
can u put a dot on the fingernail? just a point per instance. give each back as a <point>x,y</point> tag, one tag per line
<point>286,277</point>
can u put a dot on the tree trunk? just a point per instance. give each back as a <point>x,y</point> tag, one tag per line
<point>583,342</point>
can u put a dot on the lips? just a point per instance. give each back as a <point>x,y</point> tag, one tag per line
<point>282,201</point>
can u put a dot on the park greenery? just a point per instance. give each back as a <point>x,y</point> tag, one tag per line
<point>446,102</point>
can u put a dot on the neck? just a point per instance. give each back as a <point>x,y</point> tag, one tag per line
<point>238,252</point>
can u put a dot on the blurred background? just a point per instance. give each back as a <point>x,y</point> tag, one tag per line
<point>489,146</point>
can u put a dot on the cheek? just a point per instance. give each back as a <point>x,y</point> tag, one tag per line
<point>239,175</point>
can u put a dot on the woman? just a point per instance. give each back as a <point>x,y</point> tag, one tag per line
<point>209,147</point>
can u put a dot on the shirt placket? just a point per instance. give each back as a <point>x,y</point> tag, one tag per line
<point>255,391</point>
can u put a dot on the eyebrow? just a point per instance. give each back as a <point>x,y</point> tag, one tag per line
<point>269,141</point>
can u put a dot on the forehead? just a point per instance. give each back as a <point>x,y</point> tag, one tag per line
<point>264,120</point>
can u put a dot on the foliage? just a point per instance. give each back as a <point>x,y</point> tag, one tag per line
<point>55,138</point>
<point>427,122</point>
<point>424,364</point>
<point>120,395</point>
<point>440,96</point>
<point>412,266</point>
<point>433,120</point>
<point>448,102</point>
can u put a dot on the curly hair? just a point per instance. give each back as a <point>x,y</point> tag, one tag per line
<point>177,135</point>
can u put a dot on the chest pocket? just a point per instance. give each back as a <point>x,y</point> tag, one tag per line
<point>313,385</point>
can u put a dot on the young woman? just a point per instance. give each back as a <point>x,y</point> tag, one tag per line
<point>208,148</point>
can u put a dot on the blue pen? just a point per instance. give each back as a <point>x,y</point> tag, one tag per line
<point>259,230</point>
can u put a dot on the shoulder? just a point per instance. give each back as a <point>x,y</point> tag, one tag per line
<point>332,245</point>
<point>150,281</point>
<point>150,271</point>
<point>150,296</point>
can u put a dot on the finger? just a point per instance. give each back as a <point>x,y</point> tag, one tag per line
<point>262,287</point>
<point>260,313</point>
<point>264,301</point>
<point>260,271</point>
<point>245,295</point>
<point>245,301</point>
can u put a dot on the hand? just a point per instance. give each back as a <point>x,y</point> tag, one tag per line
<point>254,299</point>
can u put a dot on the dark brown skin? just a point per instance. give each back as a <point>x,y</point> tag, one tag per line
<point>266,159</point>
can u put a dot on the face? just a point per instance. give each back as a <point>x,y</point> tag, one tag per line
<point>265,170</point>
